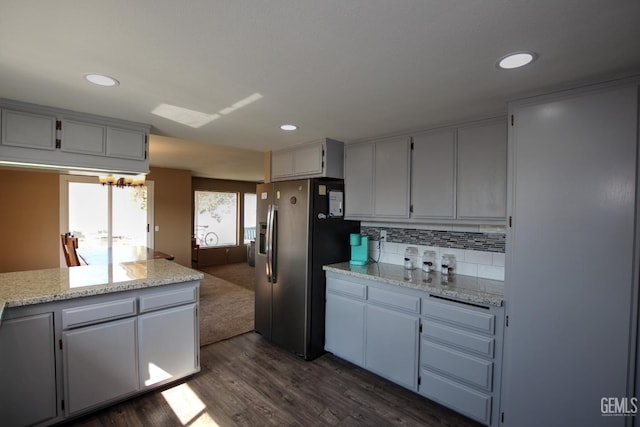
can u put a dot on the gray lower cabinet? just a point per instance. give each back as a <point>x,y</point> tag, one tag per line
<point>27,370</point>
<point>67,358</point>
<point>392,345</point>
<point>459,363</point>
<point>344,327</point>
<point>168,345</point>
<point>100,364</point>
<point>448,351</point>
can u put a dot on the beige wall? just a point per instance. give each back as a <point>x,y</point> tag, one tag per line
<point>172,212</point>
<point>29,220</point>
<point>30,217</point>
<point>229,254</point>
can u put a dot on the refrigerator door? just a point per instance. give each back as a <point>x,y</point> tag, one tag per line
<point>289,312</point>
<point>263,295</point>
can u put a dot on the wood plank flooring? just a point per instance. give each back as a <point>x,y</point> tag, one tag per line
<point>247,381</point>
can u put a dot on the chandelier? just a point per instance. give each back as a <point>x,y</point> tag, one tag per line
<point>123,181</point>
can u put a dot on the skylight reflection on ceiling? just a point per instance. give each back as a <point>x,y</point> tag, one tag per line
<point>196,119</point>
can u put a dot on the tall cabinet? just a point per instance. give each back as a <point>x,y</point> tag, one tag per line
<point>571,275</point>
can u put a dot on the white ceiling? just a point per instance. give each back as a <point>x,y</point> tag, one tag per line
<point>346,69</point>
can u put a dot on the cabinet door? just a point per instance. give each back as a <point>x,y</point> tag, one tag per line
<point>28,130</point>
<point>126,143</point>
<point>358,180</point>
<point>392,345</point>
<point>575,184</point>
<point>100,363</point>
<point>308,160</point>
<point>83,138</point>
<point>168,343</point>
<point>482,171</point>
<point>344,328</point>
<point>27,370</point>
<point>281,164</point>
<point>433,175</point>
<point>391,180</point>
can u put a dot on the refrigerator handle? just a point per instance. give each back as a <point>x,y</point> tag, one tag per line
<point>269,241</point>
<point>272,244</point>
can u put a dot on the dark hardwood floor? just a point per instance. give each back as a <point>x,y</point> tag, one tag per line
<point>247,381</point>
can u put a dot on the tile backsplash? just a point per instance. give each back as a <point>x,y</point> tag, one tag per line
<point>478,250</point>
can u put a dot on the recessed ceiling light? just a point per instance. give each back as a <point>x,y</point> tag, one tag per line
<point>101,80</point>
<point>288,127</point>
<point>516,60</point>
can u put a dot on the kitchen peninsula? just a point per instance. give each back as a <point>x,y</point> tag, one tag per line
<point>76,339</point>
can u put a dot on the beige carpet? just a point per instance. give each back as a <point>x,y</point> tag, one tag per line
<point>240,273</point>
<point>226,310</point>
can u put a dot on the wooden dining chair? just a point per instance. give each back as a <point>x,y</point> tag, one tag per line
<point>69,246</point>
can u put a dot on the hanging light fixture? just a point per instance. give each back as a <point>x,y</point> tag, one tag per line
<point>123,181</point>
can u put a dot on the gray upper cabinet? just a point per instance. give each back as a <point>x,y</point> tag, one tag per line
<point>28,129</point>
<point>452,174</point>
<point>322,158</point>
<point>482,171</point>
<point>391,178</point>
<point>377,179</point>
<point>84,138</point>
<point>433,175</point>
<point>358,180</point>
<point>34,134</point>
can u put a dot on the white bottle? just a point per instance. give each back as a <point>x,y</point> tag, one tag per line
<point>444,264</point>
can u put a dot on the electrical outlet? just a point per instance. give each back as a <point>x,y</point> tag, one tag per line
<point>383,235</point>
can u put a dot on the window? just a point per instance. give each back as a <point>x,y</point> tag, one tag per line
<point>215,221</point>
<point>250,210</point>
<point>103,216</point>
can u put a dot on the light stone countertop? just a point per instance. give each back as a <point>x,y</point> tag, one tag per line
<point>41,286</point>
<point>463,288</point>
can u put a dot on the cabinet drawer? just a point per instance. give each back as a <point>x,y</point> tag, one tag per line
<point>459,315</point>
<point>465,400</point>
<point>347,288</point>
<point>466,340</point>
<point>165,299</point>
<point>475,371</point>
<point>395,299</point>
<point>96,313</point>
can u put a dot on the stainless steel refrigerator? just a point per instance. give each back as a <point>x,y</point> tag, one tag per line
<point>300,229</point>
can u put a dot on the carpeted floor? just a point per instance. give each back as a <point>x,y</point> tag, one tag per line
<point>226,307</point>
<point>240,273</point>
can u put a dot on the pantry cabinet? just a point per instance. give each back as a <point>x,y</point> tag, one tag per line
<point>377,179</point>
<point>571,337</point>
<point>58,138</point>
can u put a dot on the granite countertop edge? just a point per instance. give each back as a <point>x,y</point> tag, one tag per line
<point>162,272</point>
<point>460,287</point>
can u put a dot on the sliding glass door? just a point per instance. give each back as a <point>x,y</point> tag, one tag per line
<point>104,216</point>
